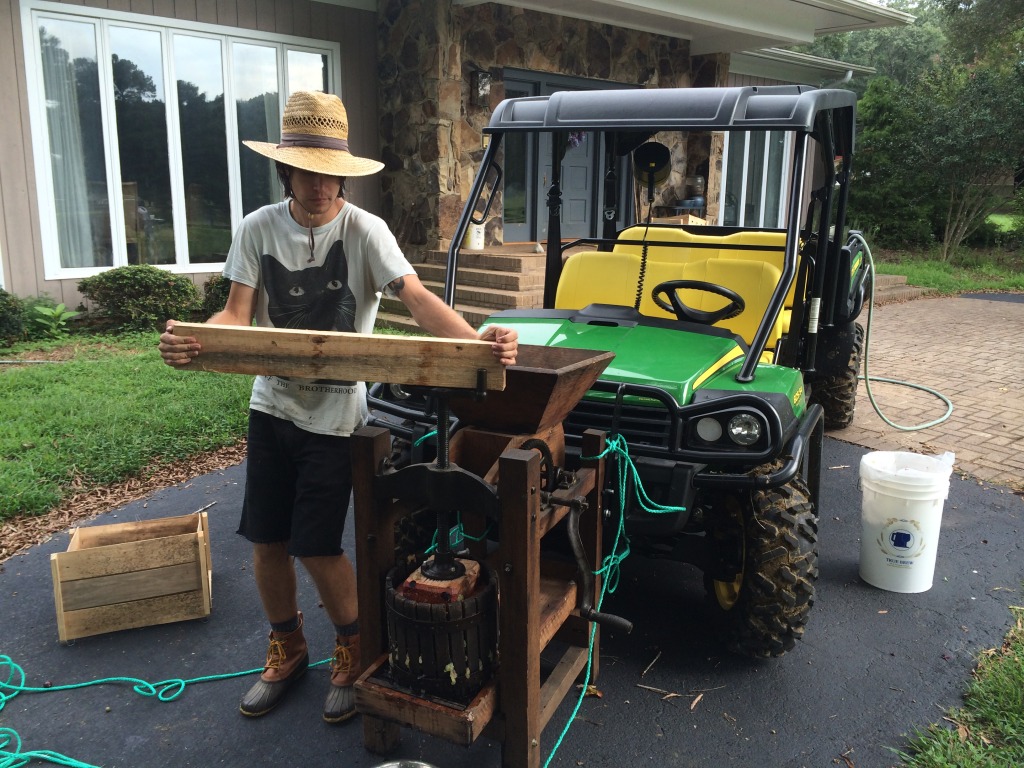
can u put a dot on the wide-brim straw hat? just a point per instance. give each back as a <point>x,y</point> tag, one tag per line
<point>314,137</point>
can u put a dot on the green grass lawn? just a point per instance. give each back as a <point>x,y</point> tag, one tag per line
<point>1004,221</point>
<point>108,411</point>
<point>970,272</point>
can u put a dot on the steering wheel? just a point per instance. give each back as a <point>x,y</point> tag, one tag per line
<point>675,305</point>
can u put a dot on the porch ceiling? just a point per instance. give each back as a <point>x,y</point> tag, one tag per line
<point>725,26</point>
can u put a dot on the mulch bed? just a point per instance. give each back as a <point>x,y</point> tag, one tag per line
<point>19,533</point>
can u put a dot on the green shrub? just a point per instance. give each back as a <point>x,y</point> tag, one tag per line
<point>141,297</point>
<point>12,324</point>
<point>215,295</point>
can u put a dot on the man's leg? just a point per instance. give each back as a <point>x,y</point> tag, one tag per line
<point>275,581</point>
<point>287,656</point>
<point>335,580</point>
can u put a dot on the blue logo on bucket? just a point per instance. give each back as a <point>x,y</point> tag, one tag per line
<point>901,539</point>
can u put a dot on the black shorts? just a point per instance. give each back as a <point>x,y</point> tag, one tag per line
<point>297,487</point>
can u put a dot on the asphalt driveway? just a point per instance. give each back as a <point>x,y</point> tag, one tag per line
<point>874,665</point>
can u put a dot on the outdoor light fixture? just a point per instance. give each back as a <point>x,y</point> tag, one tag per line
<point>480,88</point>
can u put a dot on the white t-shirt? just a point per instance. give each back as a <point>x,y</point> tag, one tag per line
<point>355,257</point>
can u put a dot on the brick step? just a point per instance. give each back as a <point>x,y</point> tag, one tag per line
<point>502,262</point>
<point>890,289</point>
<point>475,316</point>
<point>481,277</point>
<point>892,294</point>
<point>490,298</point>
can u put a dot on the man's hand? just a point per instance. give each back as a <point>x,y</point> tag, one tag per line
<point>506,343</point>
<point>177,350</point>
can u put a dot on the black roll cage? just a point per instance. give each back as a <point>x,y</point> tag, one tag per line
<point>628,117</point>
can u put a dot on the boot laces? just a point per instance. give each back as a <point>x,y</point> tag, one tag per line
<point>276,654</point>
<point>342,661</point>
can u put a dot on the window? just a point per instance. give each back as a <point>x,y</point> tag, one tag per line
<point>754,184</point>
<point>138,159</point>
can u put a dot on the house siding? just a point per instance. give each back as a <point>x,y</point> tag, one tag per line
<point>20,236</point>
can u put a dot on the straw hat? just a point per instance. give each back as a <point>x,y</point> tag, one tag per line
<point>314,137</point>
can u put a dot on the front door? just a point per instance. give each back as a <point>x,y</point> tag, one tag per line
<point>528,169</point>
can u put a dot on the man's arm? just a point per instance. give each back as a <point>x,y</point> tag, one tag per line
<point>240,309</point>
<point>437,318</point>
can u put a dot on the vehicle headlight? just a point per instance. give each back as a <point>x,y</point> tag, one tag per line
<point>744,429</point>
<point>709,429</point>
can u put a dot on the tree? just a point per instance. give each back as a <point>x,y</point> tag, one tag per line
<point>893,192</point>
<point>990,29</point>
<point>899,53</point>
<point>972,127</point>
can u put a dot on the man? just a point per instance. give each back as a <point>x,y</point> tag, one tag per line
<point>312,261</point>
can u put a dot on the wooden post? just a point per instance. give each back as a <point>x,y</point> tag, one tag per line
<point>375,555</point>
<point>519,616</point>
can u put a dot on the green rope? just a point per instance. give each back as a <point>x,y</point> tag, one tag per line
<point>165,690</point>
<point>610,567</point>
<point>461,534</point>
<point>424,438</point>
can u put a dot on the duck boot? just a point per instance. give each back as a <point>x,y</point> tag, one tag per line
<point>340,704</point>
<point>287,661</point>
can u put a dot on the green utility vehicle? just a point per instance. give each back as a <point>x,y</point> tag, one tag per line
<point>735,346</point>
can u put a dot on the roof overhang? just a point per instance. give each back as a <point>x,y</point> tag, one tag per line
<point>793,67</point>
<point>725,26</point>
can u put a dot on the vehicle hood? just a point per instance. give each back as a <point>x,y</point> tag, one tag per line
<point>678,362</point>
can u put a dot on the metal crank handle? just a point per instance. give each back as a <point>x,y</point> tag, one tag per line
<point>586,602</point>
<point>607,620</point>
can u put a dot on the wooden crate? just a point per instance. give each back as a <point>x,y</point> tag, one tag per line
<point>129,575</point>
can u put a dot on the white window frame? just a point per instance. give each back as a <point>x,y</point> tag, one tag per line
<point>787,159</point>
<point>34,10</point>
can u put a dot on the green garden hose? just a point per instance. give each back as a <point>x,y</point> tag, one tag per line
<point>867,379</point>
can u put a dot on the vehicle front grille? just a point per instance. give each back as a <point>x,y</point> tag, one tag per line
<point>641,425</point>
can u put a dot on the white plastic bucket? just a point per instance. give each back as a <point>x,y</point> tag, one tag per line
<point>901,512</point>
<point>474,238</point>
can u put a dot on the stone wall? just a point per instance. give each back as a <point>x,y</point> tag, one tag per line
<point>431,136</point>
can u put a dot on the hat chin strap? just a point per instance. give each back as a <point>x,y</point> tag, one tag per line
<point>309,223</point>
<point>312,140</point>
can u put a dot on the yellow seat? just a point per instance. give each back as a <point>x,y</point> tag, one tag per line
<point>598,277</point>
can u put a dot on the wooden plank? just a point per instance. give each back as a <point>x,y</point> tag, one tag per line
<point>374,698</point>
<point>205,563</point>
<point>129,587</point>
<point>62,631</point>
<point>140,613</point>
<point>128,556</point>
<point>118,533</point>
<point>560,682</point>
<point>519,631</point>
<point>415,360</point>
<point>557,600</point>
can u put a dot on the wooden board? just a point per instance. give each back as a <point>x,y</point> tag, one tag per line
<point>419,588</point>
<point>138,613</point>
<point>375,698</point>
<point>414,360</point>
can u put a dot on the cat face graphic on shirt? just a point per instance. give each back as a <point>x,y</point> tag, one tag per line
<point>316,298</point>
